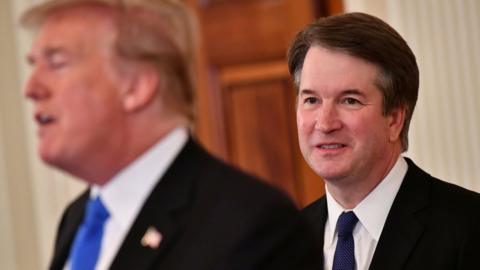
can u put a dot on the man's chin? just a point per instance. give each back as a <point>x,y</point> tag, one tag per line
<point>327,168</point>
<point>332,177</point>
<point>45,154</point>
<point>331,173</point>
<point>51,158</point>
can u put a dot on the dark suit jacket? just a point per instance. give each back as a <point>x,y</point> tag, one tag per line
<point>211,217</point>
<point>431,225</point>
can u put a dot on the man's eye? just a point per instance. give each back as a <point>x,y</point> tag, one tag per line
<point>57,64</point>
<point>57,61</point>
<point>310,100</point>
<point>351,101</point>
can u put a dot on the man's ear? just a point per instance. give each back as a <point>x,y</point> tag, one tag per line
<point>142,89</point>
<point>396,121</point>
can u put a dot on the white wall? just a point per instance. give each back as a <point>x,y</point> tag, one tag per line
<point>445,37</point>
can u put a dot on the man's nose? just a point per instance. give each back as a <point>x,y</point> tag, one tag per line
<point>327,118</point>
<point>34,88</point>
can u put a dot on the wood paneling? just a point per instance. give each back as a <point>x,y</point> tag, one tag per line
<point>240,32</point>
<point>246,98</point>
<point>259,133</point>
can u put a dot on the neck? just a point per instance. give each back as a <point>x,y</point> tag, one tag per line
<point>122,150</point>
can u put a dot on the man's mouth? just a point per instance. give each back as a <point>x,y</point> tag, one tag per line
<point>44,119</point>
<point>329,146</point>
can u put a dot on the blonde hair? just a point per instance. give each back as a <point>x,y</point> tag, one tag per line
<point>157,32</point>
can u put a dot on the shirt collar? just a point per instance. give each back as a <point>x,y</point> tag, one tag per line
<point>334,211</point>
<point>373,210</point>
<point>126,192</point>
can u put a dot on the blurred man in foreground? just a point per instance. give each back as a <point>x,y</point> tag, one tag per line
<point>112,88</point>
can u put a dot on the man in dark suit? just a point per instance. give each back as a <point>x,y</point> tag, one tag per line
<point>112,88</point>
<point>357,83</point>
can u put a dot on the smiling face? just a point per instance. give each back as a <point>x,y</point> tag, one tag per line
<point>75,88</point>
<point>343,134</point>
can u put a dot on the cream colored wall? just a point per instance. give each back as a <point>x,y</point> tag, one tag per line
<point>17,215</point>
<point>7,260</point>
<point>445,36</point>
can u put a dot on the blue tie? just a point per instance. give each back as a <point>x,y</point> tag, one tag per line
<point>86,246</point>
<point>344,258</point>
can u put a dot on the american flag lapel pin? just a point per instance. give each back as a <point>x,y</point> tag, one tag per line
<point>152,238</point>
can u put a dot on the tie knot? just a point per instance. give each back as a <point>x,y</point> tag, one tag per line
<point>346,222</point>
<point>96,213</point>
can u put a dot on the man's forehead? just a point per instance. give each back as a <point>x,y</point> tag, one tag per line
<point>70,30</point>
<point>58,29</point>
<point>336,66</point>
<point>83,12</point>
<point>68,24</point>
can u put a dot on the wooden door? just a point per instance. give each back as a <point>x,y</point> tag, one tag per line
<point>246,98</point>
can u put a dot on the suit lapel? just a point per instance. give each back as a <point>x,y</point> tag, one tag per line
<point>403,226</point>
<point>68,227</point>
<point>316,215</point>
<point>164,211</point>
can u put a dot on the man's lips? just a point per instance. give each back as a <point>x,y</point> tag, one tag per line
<point>330,146</point>
<point>44,118</point>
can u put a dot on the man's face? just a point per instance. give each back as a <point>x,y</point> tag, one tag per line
<point>74,88</point>
<point>342,132</point>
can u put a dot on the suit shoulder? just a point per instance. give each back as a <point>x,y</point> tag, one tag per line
<point>454,195</point>
<point>228,178</point>
<point>441,193</point>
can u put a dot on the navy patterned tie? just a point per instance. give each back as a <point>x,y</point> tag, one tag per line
<point>344,258</point>
<point>88,240</point>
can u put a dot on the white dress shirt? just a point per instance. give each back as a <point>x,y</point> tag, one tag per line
<point>372,213</point>
<point>125,194</point>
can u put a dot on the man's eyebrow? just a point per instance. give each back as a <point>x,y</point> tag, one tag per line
<point>306,92</point>
<point>353,92</point>
<point>47,53</point>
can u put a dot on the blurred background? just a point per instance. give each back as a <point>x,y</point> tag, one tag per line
<point>246,104</point>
